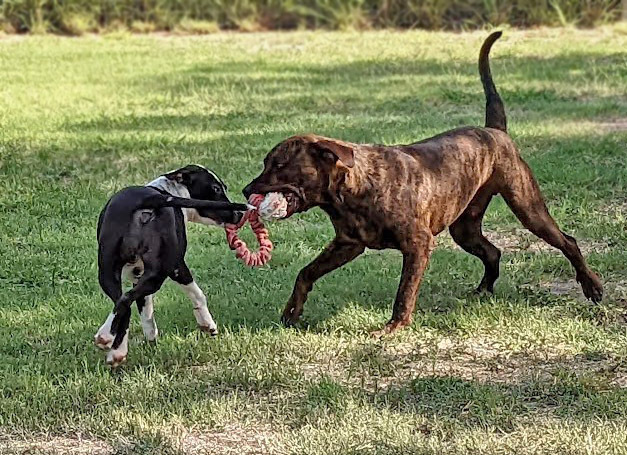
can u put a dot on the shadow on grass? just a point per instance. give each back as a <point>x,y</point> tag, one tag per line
<point>384,101</point>
<point>555,86</point>
<point>499,407</point>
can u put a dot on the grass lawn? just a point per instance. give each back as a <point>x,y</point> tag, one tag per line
<point>533,369</point>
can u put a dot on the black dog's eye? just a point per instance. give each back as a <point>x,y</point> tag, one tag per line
<point>217,189</point>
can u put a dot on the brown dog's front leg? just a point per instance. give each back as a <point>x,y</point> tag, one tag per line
<point>415,260</point>
<point>335,255</point>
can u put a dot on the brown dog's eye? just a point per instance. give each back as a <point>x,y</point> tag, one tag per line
<point>280,165</point>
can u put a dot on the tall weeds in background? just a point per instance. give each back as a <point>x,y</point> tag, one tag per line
<point>78,16</point>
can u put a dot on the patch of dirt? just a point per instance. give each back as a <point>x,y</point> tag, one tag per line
<point>616,208</point>
<point>54,445</point>
<point>614,289</point>
<point>520,239</point>
<point>613,125</point>
<point>479,360</point>
<point>231,440</point>
<point>569,288</point>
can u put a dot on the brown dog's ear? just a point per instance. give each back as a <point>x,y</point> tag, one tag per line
<point>343,152</point>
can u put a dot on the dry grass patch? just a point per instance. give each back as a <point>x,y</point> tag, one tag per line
<point>616,209</point>
<point>612,125</point>
<point>615,289</point>
<point>233,439</point>
<point>378,367</point>
<point>521,240</point>
<point>52,445</point>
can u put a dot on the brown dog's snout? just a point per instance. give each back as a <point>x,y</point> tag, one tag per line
<point>248,190</point>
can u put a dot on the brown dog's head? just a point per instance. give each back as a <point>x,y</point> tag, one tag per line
<point>306,169</point>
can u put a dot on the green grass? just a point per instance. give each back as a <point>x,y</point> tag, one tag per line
<point>533,369</point>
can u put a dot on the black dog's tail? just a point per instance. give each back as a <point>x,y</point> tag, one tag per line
<point>494,109</point>
<point>158,201</point>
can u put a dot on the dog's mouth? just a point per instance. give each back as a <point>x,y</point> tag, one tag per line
<point>293,203</point>
<point>279,204</point>
<point>294,200</point>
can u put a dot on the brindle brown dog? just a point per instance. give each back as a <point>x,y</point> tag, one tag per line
<point>402,196</point>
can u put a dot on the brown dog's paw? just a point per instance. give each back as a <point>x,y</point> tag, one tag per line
<point>290,317</point>
<point>389,329</point>
<point>591,286</point>
<point>378,333</point>
<point>289,322</point>
<point>483,290</point>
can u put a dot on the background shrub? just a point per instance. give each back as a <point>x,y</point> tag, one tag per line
<point>79,16</point>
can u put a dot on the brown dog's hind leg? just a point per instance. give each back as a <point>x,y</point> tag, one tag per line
<point>415,259</point>
<point>335,255</point>
<point>466,232</point>
<point>523,196</point>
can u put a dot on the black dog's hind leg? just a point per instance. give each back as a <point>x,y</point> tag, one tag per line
<point>184,278</point>
<point>109,277</point>
<point>148,284</point>
<point>145,305</point>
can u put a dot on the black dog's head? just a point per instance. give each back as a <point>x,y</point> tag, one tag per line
<point>201,183</point>
<point>305,169</point>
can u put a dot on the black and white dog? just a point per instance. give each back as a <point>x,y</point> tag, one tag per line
<point>141,236</point>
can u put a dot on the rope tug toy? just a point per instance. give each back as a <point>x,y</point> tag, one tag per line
<point>272,205</point>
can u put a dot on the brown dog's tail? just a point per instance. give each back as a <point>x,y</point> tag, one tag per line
<point>494,109</point>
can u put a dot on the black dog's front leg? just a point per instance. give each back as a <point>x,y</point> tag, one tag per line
<point>335,255</point>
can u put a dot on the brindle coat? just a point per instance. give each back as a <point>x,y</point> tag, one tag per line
<point>402,196</point>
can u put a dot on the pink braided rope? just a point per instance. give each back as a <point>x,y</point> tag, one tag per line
<point>242,252</point>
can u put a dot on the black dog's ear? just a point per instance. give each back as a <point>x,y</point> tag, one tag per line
<point>342,152</point>
<point>180,176</point>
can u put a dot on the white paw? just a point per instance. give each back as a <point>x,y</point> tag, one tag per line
<point>205,320</point>
<point>151,332</point>
<point>103,341</point>
<point>103,338</point>
<point>115,357</point>
<point>149,327</point>
<point>211,329</point>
